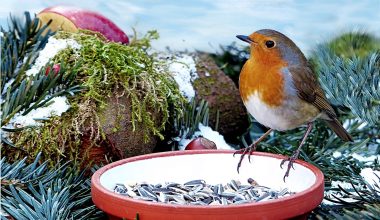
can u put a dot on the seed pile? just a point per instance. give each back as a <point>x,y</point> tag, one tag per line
<point>198,192</point>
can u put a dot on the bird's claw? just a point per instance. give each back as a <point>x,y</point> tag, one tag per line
<point>247,150</point>
<point>291,161</point>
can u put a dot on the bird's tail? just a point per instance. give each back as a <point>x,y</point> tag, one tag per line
<point>335,125</point>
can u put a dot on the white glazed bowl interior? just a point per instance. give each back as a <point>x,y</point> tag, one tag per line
<point>214,168</point>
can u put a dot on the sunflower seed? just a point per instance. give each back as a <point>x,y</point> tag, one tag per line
<point>198,192</point>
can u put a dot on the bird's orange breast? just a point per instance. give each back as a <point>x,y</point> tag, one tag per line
<point>262,75</point>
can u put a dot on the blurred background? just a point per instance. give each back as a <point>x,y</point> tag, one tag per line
<point>205,25</point>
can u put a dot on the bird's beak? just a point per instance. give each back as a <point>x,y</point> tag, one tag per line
<point>245,38</point>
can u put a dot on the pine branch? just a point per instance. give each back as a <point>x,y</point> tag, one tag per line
<point>36,91</point>
<point>21,94</point>
<point>20,45</point>
<point>354,83</point>
<point>35,192</point>
<point>186,125</point>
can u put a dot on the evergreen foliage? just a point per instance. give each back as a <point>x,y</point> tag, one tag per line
<point>184,126</point>
<point>21,41</point>
<point>33,191</point>
<point>20,94</point>
<point>353,83</point>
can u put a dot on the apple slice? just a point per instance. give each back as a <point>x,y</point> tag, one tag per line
<point>71,19</point>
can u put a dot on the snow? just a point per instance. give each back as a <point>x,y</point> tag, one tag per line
<point>365,159</point>
<point>334,184</point>
<point>51,49</point>
<point>337,154</point>
<point>7,84</point>
<point>369,175</point>
<point>344,185</point>
<point>357,156</point>
<point>213,136</point>
<point>206,132</point>
<point>184,72</point>
<point>58,106</point>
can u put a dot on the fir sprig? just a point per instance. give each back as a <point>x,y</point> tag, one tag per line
<point>20,94</point>
<point>33,191</point>
<point>36,91</point>
<point>185,125</point>
<point>354,83</point>
<point>20,44</point>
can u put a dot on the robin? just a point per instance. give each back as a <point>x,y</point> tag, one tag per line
<point>281,91</point>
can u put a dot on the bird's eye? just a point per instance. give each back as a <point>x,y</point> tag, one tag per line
<point>269,43</point>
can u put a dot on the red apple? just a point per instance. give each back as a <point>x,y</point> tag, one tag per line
<point>71,19</point>
<point>201,143</point>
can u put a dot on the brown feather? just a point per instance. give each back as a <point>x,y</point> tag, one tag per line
<point>310,91</point>
<point>339,130</point>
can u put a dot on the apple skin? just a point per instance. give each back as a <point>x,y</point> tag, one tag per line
<point>201,143</point>
<point>71,19</point>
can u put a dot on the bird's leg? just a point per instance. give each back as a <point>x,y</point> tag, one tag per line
<point>250,149</point>
<point>297,152</point>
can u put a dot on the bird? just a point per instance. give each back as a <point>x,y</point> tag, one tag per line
<point>281,91</point>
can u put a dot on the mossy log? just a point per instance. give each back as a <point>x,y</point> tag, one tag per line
<point>115,122</point>
<point>223,96</point>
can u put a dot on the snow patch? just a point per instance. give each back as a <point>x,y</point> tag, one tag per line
<point>184,72</point>
<point>334,184</point>
<point>213,136</point>
<point>208,133</point>
<point>58,106</point>
<point>7,84</point>
<point>369,175</point>
<point>344,185</point>
<point>337,154</point>
<point>51,49</point>
<point>365,159</point>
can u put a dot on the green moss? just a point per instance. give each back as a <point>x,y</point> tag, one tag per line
<point>60,138</point>
<point>104,69</point>
<point>106,66</point>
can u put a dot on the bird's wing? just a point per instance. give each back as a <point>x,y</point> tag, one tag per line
<point>309,90</point>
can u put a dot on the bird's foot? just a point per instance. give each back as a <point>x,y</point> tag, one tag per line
<point>291,161</point>
<point>243,152</point>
